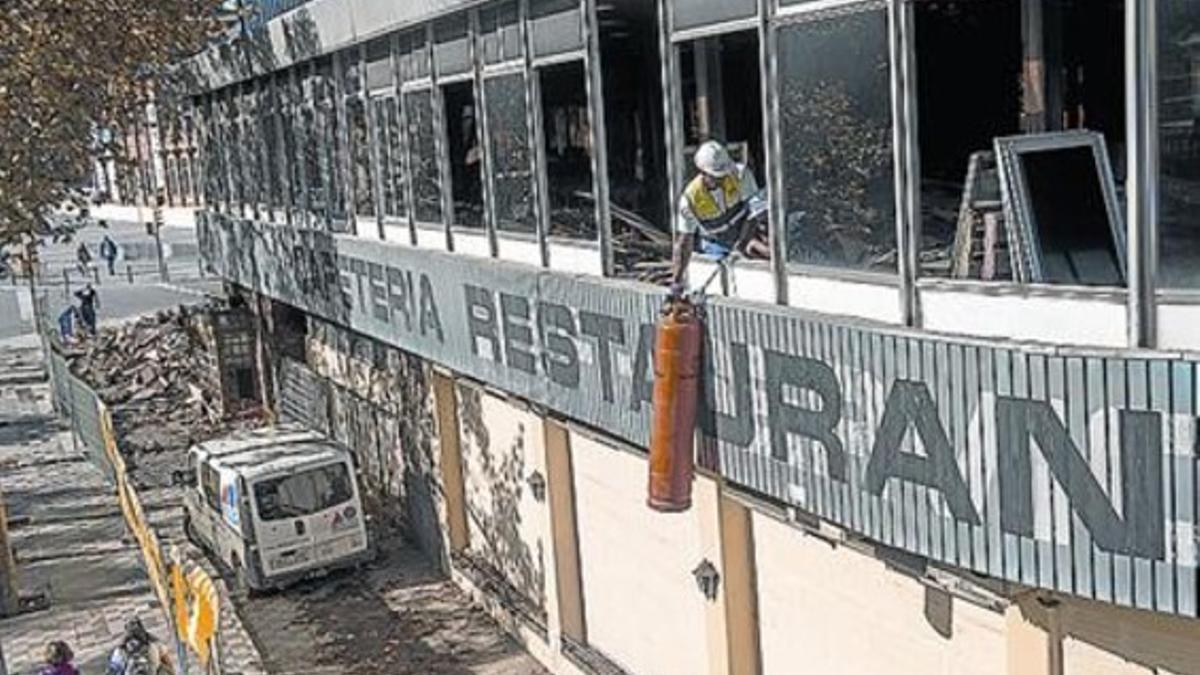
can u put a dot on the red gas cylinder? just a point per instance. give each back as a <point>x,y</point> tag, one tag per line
<point>676,387</point>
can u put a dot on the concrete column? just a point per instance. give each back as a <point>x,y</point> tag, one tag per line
<point>453,511</point>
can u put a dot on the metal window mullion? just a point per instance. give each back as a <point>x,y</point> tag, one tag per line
<point>1142,197</point>
<point>777,199</point>
<point>672,110</point>
<point>599,134</point>
<point>482,135</point>
<point>536,130</point>
<point>441,143</point>
<point>906,171</point>
<point>406,160</point>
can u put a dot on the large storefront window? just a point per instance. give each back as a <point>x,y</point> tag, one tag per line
<point>1179,142</point>
<point>835,114</point>
<point>422,145</point>
<point>512,177</point>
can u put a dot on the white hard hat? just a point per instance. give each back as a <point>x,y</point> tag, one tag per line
<point>713,159</point>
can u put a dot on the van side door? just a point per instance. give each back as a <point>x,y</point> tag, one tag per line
<point>209,510</point>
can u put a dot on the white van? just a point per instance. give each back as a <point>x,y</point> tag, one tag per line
<point>274,505</point>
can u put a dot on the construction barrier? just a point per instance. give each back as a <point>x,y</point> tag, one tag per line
<point>197,610</point>
<point>92,424</point>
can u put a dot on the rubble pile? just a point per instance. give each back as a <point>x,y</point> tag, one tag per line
<point>160,381</point>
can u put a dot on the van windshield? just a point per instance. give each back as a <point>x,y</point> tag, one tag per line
<point>304,493</point>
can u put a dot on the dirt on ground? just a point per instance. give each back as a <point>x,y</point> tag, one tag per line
<point>396,616</point>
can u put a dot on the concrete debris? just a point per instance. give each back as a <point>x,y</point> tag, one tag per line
<point>159,377</point>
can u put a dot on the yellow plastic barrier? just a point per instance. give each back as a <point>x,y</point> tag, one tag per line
<point>197,609</point>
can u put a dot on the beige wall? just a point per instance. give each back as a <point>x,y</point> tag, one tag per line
<point>1100,639</point>
<point>642,607</point>
<point>830,609</point>
<point>790,602</point>
<point>503,446</point>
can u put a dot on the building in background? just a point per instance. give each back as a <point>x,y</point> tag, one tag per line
<point>949,425</point>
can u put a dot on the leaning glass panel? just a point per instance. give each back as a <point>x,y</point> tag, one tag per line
<point>835,114</point>
<point>422,144</point>
<point>512,177</point>
<point>1179,143</point>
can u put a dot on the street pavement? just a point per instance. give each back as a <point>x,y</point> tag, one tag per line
<point>67,532</point>
<point>120,298</point>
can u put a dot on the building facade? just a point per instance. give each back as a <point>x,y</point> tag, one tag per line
<point>949,424</point>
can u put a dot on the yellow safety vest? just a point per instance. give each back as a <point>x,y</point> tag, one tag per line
<point>704,207</point>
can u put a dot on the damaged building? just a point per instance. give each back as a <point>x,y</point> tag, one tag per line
<point>954,409</point>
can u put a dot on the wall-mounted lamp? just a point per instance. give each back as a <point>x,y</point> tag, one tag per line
<point>537,483</point>
<point>708,579</point>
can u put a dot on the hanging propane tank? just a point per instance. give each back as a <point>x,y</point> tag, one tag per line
<point>676,387</point>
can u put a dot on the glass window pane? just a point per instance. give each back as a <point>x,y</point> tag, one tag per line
<point>360,149</point>
<point>451,48</point>
<point>1179,143</point>
<point>512,179</point>
<point>313,142</point>
<point>696,13</point>
<point>555,26</point>
<point>464,153</point>
<point>835,114</point>
<point>390,143</point>
<point>274,161</point>
<point>427,182</point>
<point>500,35</point>
<point>566,131</point>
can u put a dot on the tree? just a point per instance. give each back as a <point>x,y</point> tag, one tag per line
<point>67,69</point>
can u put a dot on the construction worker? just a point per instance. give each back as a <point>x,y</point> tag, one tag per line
<point>715,206</point>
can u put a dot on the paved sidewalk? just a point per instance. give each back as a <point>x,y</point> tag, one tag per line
<point>66,530</point>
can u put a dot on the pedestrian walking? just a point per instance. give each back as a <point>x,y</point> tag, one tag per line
<point>58,657</point>
<point>89,302</point>
<point>84,256</point>
<point>108,251</point>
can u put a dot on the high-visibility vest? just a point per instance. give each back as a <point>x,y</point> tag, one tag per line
<point>714,223</point>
